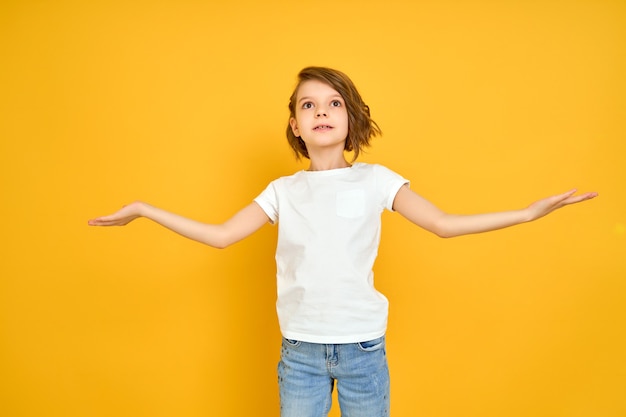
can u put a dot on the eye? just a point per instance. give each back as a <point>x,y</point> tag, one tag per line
<point>335,103</point>
<point>307,105</point>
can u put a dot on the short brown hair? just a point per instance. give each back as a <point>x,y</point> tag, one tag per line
<point>361,127</point>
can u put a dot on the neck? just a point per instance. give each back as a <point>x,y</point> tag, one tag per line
<point>319,163</point>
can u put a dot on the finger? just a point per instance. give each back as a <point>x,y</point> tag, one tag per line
<point>581,197</point>
<point>561,199</point>
<point>98,222</point>
<point>110,217</point>
<point>103,221</point>
<point>567,194</point>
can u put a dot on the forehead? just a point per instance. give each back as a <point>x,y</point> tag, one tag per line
<point>316,89</point>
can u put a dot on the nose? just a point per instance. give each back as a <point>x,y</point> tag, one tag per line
<point>321,112</point>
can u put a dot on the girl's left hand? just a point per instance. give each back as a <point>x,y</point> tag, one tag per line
<point>548,205</point>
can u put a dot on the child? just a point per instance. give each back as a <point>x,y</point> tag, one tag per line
<point>332,319</point>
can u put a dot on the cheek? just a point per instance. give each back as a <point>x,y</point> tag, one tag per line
<point>347,122</point>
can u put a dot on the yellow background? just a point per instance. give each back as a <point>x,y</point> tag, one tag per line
<point>484,105</point>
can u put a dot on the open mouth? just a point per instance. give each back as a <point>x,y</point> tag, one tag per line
<point>322,127</point>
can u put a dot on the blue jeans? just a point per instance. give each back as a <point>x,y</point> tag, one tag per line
<point>307,373</point>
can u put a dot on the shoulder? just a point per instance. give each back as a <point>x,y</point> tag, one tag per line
<point>374,169</point>
<point>296,176</point>
<point>285,183</point>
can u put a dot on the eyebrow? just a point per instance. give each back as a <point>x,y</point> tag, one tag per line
<point>310,98</point>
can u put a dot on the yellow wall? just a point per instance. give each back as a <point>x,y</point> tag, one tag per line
<point>485,105</point>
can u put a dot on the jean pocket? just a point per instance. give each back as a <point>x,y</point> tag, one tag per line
<point>372,345</point>
<point>291,342</point>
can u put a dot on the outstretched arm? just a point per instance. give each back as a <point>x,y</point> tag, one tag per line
<point>426,215</point>
<point>241,225</point>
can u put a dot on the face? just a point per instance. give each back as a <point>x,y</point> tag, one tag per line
<point>321,116</point>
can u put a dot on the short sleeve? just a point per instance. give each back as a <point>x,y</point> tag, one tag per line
<point>268,200</point>
<point>388,184</point>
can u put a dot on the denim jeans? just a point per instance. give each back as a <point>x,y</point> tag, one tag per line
<point>307,373</point>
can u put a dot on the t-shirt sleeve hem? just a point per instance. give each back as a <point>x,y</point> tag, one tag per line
<point>266,207</point>
<point>394,190</point>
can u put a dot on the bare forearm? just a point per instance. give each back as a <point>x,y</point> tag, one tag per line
<point>451,225</point>
<point>426,215</point>
<point>209,234</point>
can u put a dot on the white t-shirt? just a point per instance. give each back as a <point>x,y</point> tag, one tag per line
<point>328,236</point>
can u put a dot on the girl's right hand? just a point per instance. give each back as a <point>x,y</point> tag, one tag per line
<point>120,218</point>
<point>245,222</point>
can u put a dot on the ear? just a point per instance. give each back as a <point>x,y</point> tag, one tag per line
<point>294,127</point>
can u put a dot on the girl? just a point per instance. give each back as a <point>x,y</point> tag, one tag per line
<point>332,319</point>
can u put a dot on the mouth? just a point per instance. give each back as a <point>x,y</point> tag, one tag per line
<point>322,127</point>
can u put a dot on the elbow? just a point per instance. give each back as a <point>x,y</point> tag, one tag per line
<point>444,234</point>
<point>449,232</point>
<point>443,229</point>
<point>221,243</point>
<point>222,240</point>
